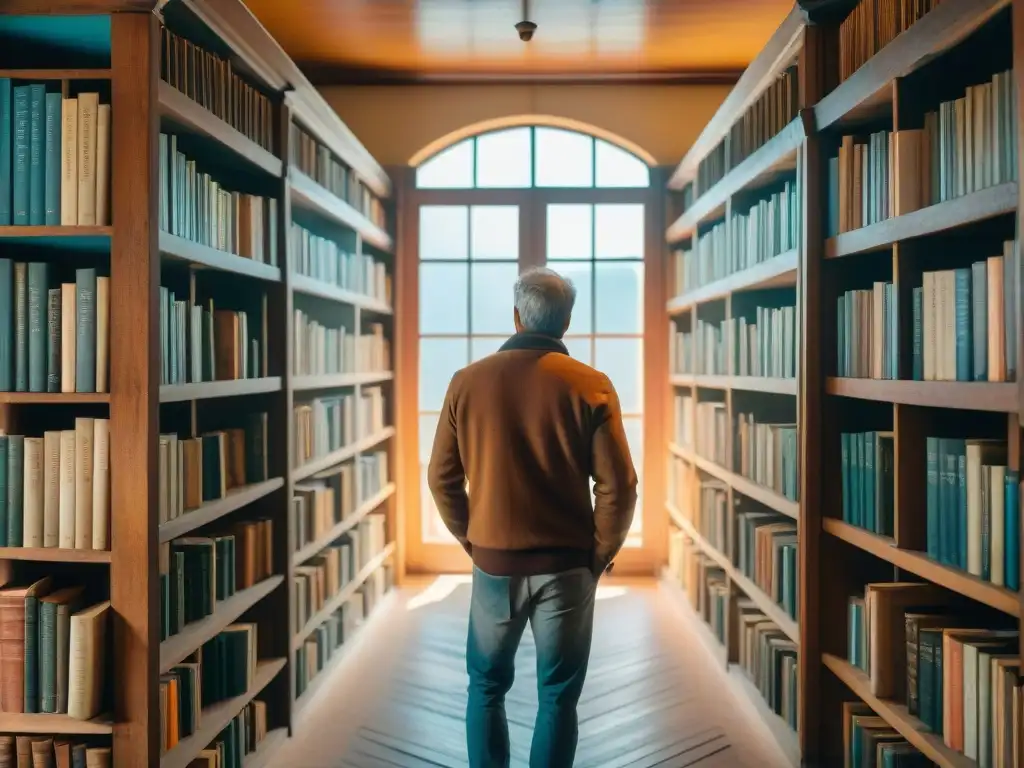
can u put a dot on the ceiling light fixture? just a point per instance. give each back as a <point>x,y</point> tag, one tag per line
<point>526,28</point>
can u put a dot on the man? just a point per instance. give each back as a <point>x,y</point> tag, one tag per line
<point>528,427</point>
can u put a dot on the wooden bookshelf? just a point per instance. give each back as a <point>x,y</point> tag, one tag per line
<point>311,468</point>
<point>315,547</point>
<point>891,91</point>
<point>140,257</point>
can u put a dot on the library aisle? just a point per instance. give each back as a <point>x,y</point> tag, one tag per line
<point>653,697</point>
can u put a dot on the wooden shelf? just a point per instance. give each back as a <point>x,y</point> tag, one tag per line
<point>225,612</point>
<point>336,457</point>
<point>208,390</point>
<point>333,380</point>
<point>765,603</point>
<point>777,271</point>
<point>187,114</point>
<point>56,74</point>
<point>967,395</point>
<point>312,287</point>
<point>215,718</point>
<point>764,166</point>
<point>747,487</point>
<point>16,722</point>
<point>260,757</point>
<point>941,217</point>
<point>897,716</point>
<point>180,249</point>
<point>314,548</point>
<point>214,510</point>
<point>868,91</point>
<point>54,398</point>
<point>343,596</point>
<point>743,383</point>
<point>309,195</point>
<point>26,232</point>
<point>918,563</point>
<point>56,555</point>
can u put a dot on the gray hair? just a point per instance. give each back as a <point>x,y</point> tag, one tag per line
<point>545,300</point>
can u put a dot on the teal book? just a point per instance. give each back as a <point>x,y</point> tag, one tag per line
<point>21,155</point>
<point>1011,531</point>
<point>979,319</point>
<point>78,756</point>
<point>932,496</point>
<point>856,444</point>
<point>15,489</point>
<point>962,310</point>
<point>6,180</point>
<point>48,657</point>
<point>926,681</point>
<point>841,333</point>
<point>85,330</point>
<point>31,701</point>
<point>6,325</point>
<point>36,155</point>
<point>38,326</point>
<point>5,442</point>
<point>844,440</point>
<point>918,362</point>
<point>961,503</point>
<point>20,326</point>
<point>53,328</point>
<point>870,481</point>
<point>52,159</point>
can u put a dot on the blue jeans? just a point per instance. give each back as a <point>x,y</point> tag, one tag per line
<point>560,609</point>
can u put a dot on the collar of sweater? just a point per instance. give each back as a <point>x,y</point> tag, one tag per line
<point>534,341</point>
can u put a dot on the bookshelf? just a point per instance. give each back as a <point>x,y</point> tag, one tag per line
<point>869,446</point>
<point>203,375</point>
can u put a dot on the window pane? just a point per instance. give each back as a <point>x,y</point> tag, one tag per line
<point>492,298</point>
<point>618,168</point>
<point>619,231</point>
<point>494,232</point>
<point>564,158</point>
<point>439,360</point>
<point>444,298</point>
<point>619,296</point>
<point>444,232</point>
<point>580,273</point>
<point>579,349</point>
<point>428,426</point>
<point>451,168</point>
<point>570,232</point>
<point>503,159</point>
<point>622,361</point>
<point>482,346</point>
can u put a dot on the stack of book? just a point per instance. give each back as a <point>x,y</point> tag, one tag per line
<point>712,168</point>
<point>322,502</point>
<point>870,741</point>
<point>54,336</point>
<point>55,489</point>
<point>371,411</point>
<point>766,553</point>
<point>320,349</point>
<point>325,260</point>
<point>711,355</point>
<point>373,350</point>
<point>225,667</point>
<point>713,517</point>
<point>769,659</point>
<point>766,347</point>
<point>706,260</point>
<point>212,83</point>
<point>965,321</point>
<point>680,353</point>
<point>868,333</point>
<point>241,737</point>
<point>713,432</point>
<point>871,26</point>
<point>869,477</point>
<point>54,650</point>
<point>775,108</point>
<point>55,163</point>
<point>768,454</point>
<point>33,751</point>
<point>373,473</point>
<point>323,425</point>
<point>862,180</point>
<point>768,228</point>
<point>685,418</point>
<point>205,210</point>
<point>973,508</point>
<point>705,584</point>
<point>196,470</point>
<point>202,343</point>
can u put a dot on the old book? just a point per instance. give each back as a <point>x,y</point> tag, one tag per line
<point>51,489</point>
<point>69,163</point>
<point>885,605</point>
<point>85,429</point>
<point>103,167</point>
<point>87,661</point>
<point>101,485</point>
<point>54,613</point>
<point>66,531</point>
<point>16,604</point>
<point>33,492</point>
<point>42,753</point>
<point>68,316</point>
<point>88,109</point>
<point>102,333</point>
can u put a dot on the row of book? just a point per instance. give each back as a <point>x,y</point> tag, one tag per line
<point>711,432</point>
<point>319,349</point>
<point>240,738</point>
<point>867,323</point>
<point>965,321</point>
<point>703,582</point>
<point>768,454</point>
<point>869,740</point>
<point>737,346</point>
<point>319,579</point>
<point>324,259</point>
<point>953,668</point>
<point>322,502</point>
<point>54,157</point>
<point>319,163</point>
<point>197,572</point>
<point>201,469</point>
<point>868,478</point>
<point>324,425</point>
<point>766,553</point>
<point>53,339</point>
<point>212,83</point>
<point>712,168</point>
<point>972,507</point>
<point>54,650</point>
<point>712,516</point>
<point>206,210</point>
<point>51,752</point>
<point>202,343</point>
<point>776,107</point>
<point>871,25</point>
<point>686,418</point>
<point>711,355</point>
<point>328,640</point>
<point>55,489</point>
<point>373,473</point>
<point>863,179</point>
<point>680,350</point>
<point>223,668</point>
<point>705,261</point>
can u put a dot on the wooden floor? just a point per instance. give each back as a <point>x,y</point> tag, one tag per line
<point>653,696</point>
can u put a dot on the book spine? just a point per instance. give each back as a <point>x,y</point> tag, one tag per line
<point>962,309</point>
<point>5,445</point>
<point>21,155</point>
<point>48,657</point>
<point>31,679</point>
<point>15,489</point>
<point>1012,530</point>
<point>38,297</point>
<point>960,504</point>
<point>6,120</point>
<point>20,327</point>
<point>36,155</point>
<point>85,329</point>
<point>54,121</point>
<point>918,362</point>
<point>53,329</point>
<point>6,325</point>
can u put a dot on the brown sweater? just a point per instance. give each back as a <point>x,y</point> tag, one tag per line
<point>529,427</point>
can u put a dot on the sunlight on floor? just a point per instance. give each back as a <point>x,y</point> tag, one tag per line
<point>444,585</point>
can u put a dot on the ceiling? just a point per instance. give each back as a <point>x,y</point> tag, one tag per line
<point>410,40</point>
